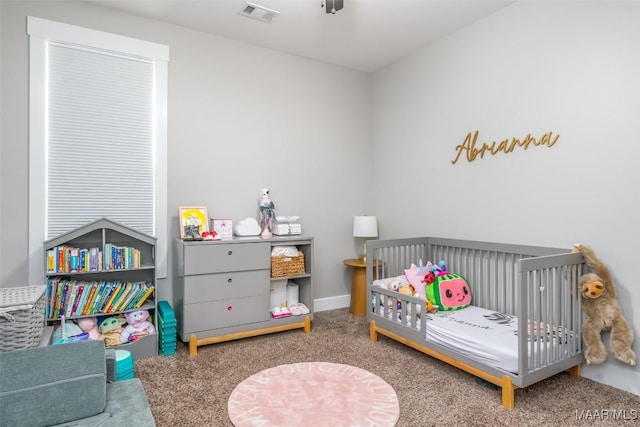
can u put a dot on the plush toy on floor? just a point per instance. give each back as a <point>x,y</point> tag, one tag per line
<point>137,326</point>
<point>603,313</point>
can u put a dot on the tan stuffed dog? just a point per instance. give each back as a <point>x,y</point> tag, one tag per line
<point>603,313</point>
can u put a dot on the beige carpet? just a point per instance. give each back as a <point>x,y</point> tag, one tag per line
<point>193,391</point>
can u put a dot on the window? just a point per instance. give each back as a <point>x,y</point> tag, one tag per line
<point>97,134</point>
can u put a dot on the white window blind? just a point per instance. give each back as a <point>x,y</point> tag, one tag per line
<point>100,139</point>
<point>97,134</point>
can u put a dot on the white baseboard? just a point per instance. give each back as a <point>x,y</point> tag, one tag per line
<point>332,303</point>
<point>614,374</point>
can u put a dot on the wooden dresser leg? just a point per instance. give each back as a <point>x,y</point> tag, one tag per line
<point>193,345</point>
<point>307,325</point>
<point>508,392</point>
<point>373,334</point>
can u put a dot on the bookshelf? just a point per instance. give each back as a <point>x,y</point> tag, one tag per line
<point>102,269</point>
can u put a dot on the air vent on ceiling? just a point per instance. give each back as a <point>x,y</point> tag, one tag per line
<point>260,13</point>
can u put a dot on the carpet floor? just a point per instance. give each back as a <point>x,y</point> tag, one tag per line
<point>194,391</point>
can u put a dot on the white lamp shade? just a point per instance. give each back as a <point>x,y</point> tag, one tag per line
<point>365,226</point>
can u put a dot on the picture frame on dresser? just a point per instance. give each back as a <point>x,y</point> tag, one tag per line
<point>190,216</point>
<point>223,227</point>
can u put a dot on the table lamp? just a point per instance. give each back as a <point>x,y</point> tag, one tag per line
<point>365,226</point>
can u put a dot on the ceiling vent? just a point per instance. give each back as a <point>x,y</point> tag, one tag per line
<point>260,13</point>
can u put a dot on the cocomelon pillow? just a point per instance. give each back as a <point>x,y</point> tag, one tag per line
<point>447,291</point>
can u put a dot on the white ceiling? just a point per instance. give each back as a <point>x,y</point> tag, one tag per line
<point>365,35</point>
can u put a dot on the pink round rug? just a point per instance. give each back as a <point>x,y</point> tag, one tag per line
<point>313,394</point>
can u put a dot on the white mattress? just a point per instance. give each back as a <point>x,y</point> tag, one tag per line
<point>480,334</point>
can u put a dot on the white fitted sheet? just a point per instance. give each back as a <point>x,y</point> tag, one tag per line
<point>480,334</point>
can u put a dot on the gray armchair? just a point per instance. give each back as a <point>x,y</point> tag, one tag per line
<point>69,385</point>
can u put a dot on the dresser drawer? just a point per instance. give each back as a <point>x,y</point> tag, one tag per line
<point>218,286</point>
<point>217,258</point>
<point>221,314</point>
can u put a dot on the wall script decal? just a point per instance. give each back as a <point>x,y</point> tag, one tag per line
<point>506,146</point>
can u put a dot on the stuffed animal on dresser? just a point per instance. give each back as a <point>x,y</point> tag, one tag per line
<point>603,313</point>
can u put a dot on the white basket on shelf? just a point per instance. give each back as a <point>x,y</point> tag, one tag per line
<point>21,317</point>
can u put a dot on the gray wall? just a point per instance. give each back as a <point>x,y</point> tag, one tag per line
<point>567,67</point>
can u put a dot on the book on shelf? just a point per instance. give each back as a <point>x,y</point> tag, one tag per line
<point>71,297</point>
<point>78,290</point>
<point>114,294</point>
<point>117,301</point>
<point>105,294</point>
<point>145,296</point>
<point>87,304</point>
<point>51,261</point>
<point>136,293</point>
<point>93,259</point>
<point>74,260</point>
<point>86,290</point>
<point>132,288</point>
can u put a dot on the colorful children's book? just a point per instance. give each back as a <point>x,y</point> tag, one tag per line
<point>78,290</point>
<point>138,291</point>
<point>89,301</point>
<point>146,295</point>
<point>133,289</point>
<point>117,302</point>
<point>71,292</point>
<point>106,295</point>
<point>114,294</point>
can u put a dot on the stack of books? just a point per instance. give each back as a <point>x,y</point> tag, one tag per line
<point>166,329</point>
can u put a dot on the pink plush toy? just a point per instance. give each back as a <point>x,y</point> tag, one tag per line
<point>137,326</point>
<point>90,325</point>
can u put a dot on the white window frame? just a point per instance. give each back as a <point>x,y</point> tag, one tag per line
<point>42,31</point>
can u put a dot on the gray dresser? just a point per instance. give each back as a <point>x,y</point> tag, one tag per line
<point>222,289</point>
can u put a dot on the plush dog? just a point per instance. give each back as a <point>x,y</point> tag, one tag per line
<point>603,313</point>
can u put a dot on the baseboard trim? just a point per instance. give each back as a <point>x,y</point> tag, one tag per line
<point>614,374</point>
<point>332,303</point>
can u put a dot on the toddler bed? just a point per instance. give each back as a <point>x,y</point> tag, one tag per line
<point>512,288</point>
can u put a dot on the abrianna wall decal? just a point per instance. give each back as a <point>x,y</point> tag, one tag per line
<point>506,146</point>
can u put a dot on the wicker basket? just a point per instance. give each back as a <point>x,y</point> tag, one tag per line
<point>287,266</point>
<point>21,317</point>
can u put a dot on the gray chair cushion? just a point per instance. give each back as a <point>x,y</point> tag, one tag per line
<point>53,384</point>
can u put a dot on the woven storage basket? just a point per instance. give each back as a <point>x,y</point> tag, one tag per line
<point>21,317</point>
<point>287,265</point>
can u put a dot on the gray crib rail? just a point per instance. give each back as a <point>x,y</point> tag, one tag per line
<point>536,284</point>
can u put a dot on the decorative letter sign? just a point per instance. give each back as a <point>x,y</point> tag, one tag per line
<point>471,152</point>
